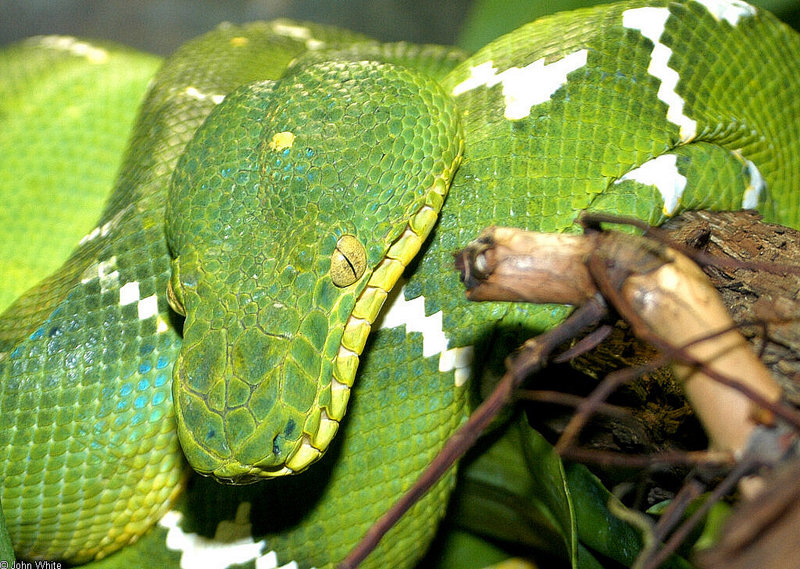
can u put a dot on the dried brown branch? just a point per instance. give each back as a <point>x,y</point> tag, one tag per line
<point>520,266</point>
<point>739,249</point>
<point>663,295</point>
<point>595,400</point>
<point>669,303</point>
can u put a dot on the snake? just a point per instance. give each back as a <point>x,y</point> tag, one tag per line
<point>268,293</point>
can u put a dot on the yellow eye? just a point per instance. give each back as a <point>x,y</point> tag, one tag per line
<point>348,262</point>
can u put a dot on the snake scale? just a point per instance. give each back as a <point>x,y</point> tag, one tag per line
<point>279,180</point>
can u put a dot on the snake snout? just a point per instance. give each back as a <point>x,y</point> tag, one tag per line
<point>245,409</point>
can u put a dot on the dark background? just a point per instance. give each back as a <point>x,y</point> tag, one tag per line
<point>159,26</point>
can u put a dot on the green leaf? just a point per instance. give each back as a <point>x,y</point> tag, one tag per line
<point>458,549</point>
<point>518,491</point>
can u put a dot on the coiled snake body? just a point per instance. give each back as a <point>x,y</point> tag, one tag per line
<point>295,208</point>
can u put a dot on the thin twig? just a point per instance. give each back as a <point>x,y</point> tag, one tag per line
<point>570,400</point>
<point>642,330</point>
<point>585,344</point>
<point>531,358</point>
<point>742,468</point>
<point>675,509</point>
<point>685,458</point>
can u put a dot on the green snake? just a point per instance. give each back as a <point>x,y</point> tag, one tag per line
<point>278,182</point>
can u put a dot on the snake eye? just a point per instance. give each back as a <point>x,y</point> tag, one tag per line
<point>348,262</point>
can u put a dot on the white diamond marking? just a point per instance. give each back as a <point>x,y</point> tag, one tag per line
<point>105,229</point>
<point>147,307</point>
<point>195,93</point>
<point>129,293</point>
<point>300,33</point>
<point>105,272</point>
<point>757,185</point>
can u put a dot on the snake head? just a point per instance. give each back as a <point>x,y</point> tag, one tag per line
<point>291,215</point>
<point>246,383</point>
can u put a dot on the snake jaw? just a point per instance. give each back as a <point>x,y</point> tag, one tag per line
<point>306,455</point>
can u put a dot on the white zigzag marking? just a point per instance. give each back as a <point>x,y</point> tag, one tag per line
<point>650,22</point>
<point>76,47</point>
<point>729,10</point>
<point>300,33</point>
<point>105,271</point>
<point>195,93</point>
<point>232,544</point>
<point>524,87</point>
<point>411,313</point>
<point>755,188</point>
<point>198,551</point>
<point>662,173</point>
